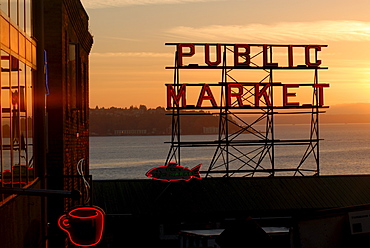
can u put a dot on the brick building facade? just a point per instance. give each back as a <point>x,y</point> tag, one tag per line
<point>68,43</point>
<point>44,149</point>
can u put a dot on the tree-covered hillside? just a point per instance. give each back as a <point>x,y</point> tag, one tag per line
<point>143,121</point>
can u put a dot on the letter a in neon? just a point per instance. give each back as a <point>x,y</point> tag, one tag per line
<point>203,96</point>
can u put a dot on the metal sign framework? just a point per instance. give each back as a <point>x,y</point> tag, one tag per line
<point>235,155</point>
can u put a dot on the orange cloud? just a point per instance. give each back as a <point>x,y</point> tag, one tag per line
<point>97,4</point>
<point>319,31</point>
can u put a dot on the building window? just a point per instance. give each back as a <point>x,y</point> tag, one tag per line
<point>73,76</point>
<point>19,12</point>
<point>16,134</point>
<point>17,61</point>
<point>4,6</point>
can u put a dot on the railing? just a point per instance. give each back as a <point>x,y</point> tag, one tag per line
<point>76,189</point>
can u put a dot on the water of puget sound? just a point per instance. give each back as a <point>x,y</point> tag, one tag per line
<point>345,150</point>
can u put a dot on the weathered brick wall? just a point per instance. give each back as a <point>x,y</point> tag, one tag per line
<point>66,23</point>
<point>68,123</point>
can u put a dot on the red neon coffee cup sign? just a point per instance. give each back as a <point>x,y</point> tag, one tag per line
<point>84,225</point>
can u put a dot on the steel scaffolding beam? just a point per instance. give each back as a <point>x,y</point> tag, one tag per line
<point>236,156</point>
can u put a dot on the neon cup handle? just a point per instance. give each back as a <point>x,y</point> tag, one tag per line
<point>63,222</point>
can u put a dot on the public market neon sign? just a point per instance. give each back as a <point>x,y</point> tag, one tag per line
<point>243,58</point>
<point>235,93</point>
<point>242,54</point>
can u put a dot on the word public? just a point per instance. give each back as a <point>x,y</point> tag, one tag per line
<point>242,54</point>
<point>235,94</point>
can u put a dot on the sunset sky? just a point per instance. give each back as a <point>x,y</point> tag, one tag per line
<point>129,55</point>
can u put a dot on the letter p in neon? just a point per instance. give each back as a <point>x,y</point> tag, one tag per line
<point>181,53</point>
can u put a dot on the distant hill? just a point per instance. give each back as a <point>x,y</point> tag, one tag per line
<point>143,121</point>
<point>347,113</point>
<point>129,121</point>
<point>324,118</point>
<point>341,113</point>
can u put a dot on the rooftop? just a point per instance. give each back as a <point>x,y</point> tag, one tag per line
<point>226,197</point>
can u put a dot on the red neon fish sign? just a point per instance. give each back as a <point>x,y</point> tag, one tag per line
<point>174,172</point>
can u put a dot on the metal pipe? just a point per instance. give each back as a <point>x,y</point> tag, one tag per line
<point>74,194</point>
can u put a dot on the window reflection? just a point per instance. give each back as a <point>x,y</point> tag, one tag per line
<point>72,73</point>
<point>28,18</point>
<point>19,12</point>
<point>16,97</point>
<point>21,16</point>
<point>4,5</point>
<point>4,32</point>
<point>29,120</point>
<point>16,122</point>
<point>14,10</point>
<point>13,37</point>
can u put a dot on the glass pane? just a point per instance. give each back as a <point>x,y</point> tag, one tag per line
<point>28,50</point>
<point>21,15</point>
<point>16,122</point>
<point>14,67</point>
<point>33,54</point>
<point>29,123</point>
<point>72,73</point>
<point>28,92</point>
<point>4,32</point>
<point>15,128</point>
<point>14,39</point>
<point>5,117</point>
<point>4,5</point>
<point>23,120</point>
<point>5,72</point>
<point>15,138</point>
<point>14,11</point>
<point>22,45</point>
<point>7,174</point>
<point>28,17</point>
<point>22,88</point>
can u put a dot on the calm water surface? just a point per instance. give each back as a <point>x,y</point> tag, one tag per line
<point>344,150</point>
